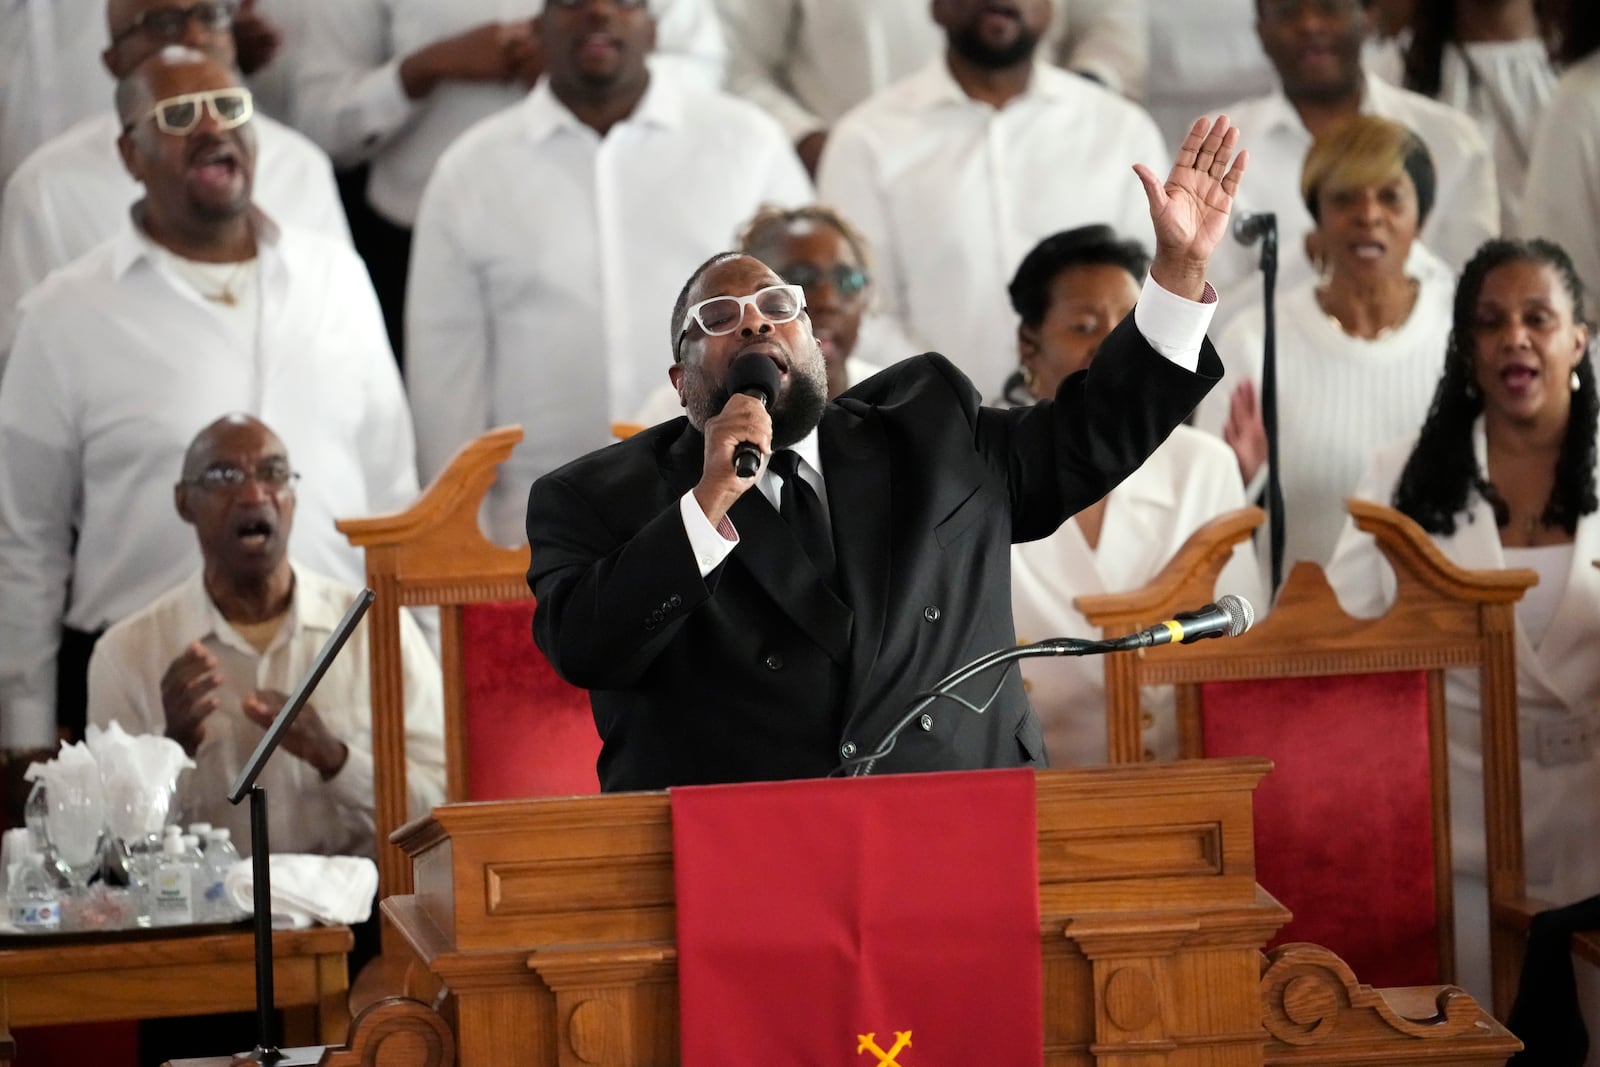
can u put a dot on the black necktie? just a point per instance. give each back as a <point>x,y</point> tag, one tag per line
<point>800,508</point>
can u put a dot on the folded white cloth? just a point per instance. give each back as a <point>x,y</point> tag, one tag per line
<point>327,889</point>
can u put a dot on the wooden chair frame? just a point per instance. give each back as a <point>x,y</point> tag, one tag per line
<point>433,554</point>
<point>1444,617</point>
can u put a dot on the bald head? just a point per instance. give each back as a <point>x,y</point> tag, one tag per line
<point>233,429</point>
<point>237,491</point>
<point>138,29</point>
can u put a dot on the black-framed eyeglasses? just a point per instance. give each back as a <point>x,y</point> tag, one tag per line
<point>273,475</point>
<point>847,280</point>
<point>168,23</point>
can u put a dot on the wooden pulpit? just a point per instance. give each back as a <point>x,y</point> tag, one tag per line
<point>544,935</point>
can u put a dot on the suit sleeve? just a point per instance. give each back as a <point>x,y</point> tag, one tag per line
<point>607,604</point>
<point>1062,455</point>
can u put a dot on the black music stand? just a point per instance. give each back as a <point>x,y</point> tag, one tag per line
<point>266,1050</point>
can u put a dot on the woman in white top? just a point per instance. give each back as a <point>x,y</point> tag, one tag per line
<point>1070,291</point>
<point>1491,60</point>
<point>1359,349</point>
<point>1503,475</point>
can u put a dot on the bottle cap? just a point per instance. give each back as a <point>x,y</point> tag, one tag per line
<point>172,845</point>
<point>190,841</point>
<point>219,833</point>
<point>199,829</point>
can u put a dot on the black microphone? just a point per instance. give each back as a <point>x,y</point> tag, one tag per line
<point>1230,616</point>
<point>753,375</point>
<point>1253,226</point>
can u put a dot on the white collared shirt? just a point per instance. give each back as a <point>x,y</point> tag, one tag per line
<point>349,98</point>
<point>117,365</point>
<point>547,258</point>
<point>307,814</point>
<point>1466,208</point>
<point>1205,56</point>
<point>952,193</point>
<point>807,62</point>
<point>74,193</point>
<point>50,72</point>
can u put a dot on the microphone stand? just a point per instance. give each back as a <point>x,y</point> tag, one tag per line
<point>1056,646</point>
<point>1269,396</point>
<point>266,1050</point>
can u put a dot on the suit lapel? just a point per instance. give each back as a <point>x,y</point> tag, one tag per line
<point>855,468</point>
<point>768,551</point>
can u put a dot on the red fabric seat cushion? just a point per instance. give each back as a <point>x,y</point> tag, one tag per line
<point>528,733</point>
<point>1344,823</point>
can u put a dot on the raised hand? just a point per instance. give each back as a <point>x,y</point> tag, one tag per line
<point>189,695</point>
<point>1190,210</point>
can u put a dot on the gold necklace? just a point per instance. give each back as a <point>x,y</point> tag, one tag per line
<point>1382,331</point>
<point>225,295</point>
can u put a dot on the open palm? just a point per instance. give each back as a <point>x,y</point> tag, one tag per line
<point>1190,211</point>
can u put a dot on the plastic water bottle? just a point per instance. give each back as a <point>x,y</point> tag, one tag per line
<point>220,856</point>
<point>32,897</point>
<point>172,891</point>
<point>200,830</point>
<point>34,815</point>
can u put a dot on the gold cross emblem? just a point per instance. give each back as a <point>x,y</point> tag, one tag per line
<point>902,1040</point>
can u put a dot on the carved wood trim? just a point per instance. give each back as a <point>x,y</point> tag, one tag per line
<point>1308,995</point>
<point>413,1033</point>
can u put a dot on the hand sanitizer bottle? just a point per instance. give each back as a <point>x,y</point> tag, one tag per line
<point>172,889</point>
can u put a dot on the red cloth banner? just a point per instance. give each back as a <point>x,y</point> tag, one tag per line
<point>886,922</point>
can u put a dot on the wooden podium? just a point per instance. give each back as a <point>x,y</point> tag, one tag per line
<point>543,931</point>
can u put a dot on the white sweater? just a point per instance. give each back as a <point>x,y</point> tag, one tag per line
<point>1339,397</point>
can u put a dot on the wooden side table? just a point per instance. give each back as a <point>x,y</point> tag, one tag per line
<point>151,974</point>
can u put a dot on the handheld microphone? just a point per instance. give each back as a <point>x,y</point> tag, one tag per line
<point>1230,616</point>
<point>1253,226</point>
<point>753,375</point>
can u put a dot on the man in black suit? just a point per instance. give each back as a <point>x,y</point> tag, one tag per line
<point>722,641</point>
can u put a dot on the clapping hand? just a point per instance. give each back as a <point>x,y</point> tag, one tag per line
<point>1190,211</point>
<point>308,738</point>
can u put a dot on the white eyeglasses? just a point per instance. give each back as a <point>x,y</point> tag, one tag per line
<point>723,314</point>
<point>178,115</point>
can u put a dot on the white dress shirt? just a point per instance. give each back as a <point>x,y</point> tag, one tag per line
<point>350,100</point>
<point>1561,201</point>
<point>546,259</point>
<point>118,364</point>
<point>1504,86</point>
<point>50,72</point>
<point>1339,397</point>
<point>807,62</point>
<point>951,193</point>
<point>73,194</point>
<point>307,814</point>
<point>1188,481</point>
<point>1466,209</point>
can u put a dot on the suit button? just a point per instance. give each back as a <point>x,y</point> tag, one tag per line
<point>926,722</point>
<point>931,613</point>
<point>774,661</point>
<point>666,608</point>
<point>675,600</point>
<point>847,749</point>
<point>649,624</point>
<point>657,615</point>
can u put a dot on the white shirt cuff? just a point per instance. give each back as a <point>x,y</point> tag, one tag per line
<point>709,546</point>
<point>1173,326</point>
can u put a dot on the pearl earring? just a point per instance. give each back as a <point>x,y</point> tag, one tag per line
<point>1573,380</point>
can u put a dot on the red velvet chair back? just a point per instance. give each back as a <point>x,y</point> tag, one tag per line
<point>1345,834</point>
<point>1353,824</point>
<point>528,732</point>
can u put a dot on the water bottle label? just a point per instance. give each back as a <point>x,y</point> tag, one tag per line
<point>37,915</point>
